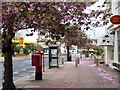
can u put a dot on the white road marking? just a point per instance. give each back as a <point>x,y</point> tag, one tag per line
<point>23,69</point>
<point>15,72</point>
<point>32,71</point>
<point>22,75</point>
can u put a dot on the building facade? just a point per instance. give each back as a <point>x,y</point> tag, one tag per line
<point>112,54</point>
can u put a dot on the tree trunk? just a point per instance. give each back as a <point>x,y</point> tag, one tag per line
<point>7,50</point>
<point>87,53</point>
<point>68,54</point>
<point>8,73</point>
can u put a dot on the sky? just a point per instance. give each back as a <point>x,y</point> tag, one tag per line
<point>22,33</point>
<point>98,32</point>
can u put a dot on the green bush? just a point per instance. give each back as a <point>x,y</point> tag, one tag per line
<point>99,51</point>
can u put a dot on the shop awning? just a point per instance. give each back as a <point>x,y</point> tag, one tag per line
<point>106,40</point>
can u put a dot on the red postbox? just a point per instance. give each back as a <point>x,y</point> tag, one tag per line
<point>37,61</point>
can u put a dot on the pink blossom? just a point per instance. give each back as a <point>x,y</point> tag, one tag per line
<point>16,10</point>
<point>30,9</point>
<point>38,8</point>
<point>88,4</point>
<point>35,22</point>
<point>21,9</point>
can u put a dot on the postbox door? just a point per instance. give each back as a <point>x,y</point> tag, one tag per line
<point>35,60</point>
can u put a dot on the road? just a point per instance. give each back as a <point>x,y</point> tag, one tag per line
<point>22,67</point>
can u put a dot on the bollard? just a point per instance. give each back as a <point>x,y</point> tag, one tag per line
<point>80,56</point>
<point>76,63</point>
<point>96,62</point>
<point>62,61</point>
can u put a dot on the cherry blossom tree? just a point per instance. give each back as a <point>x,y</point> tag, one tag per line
<point>53,17</point>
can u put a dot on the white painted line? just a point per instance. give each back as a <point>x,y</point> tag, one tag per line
<point>32,71</point>
<point>22,75</point>
<point>15,72</point>
<point>23,78</point>
<point>23,69</point>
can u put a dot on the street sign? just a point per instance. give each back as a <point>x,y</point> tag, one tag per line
<point>21,41</point>
<point>115,19</point>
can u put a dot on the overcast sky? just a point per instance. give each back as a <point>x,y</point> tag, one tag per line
<point>100,31</point>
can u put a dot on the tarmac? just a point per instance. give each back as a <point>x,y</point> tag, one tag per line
<point>19,57</point>
<point>87,76</point>
<point>15,58</point>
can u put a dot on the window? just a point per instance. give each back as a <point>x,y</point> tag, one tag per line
<point>111,56</point>
<point>118,34</point>
<point>118,4</point>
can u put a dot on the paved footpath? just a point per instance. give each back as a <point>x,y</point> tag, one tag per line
<point>86,75</point>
